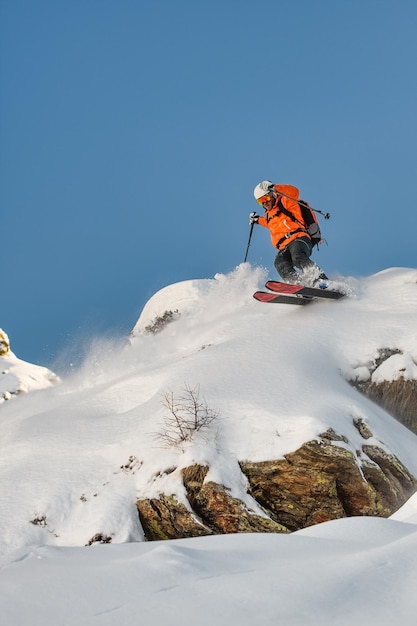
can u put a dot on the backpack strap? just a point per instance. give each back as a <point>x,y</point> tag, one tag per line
<point>302,229</point>
<point>290,234</point>
<point>283,209</point>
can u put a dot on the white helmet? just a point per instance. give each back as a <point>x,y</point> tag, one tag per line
<point>263,188</point>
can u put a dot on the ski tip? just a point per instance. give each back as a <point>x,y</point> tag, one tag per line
<point>276,298</point>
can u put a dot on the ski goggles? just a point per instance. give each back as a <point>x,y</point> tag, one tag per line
<point>263,199</point>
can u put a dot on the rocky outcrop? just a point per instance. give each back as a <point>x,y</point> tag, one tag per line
<point>166,518</point>
<point>213,511</point>
<point>396,391</point>
<point>17,376</point>
<point>398,397</point>
<point>221,512</point>
<point>4,343</point>
<point>321,481</point>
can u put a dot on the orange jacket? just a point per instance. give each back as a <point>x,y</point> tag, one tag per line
<point>283,229</point>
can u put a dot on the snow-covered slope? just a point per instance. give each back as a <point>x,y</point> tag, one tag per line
<point>83,452</point>
<point>75,457</point>
<point>350,571</point>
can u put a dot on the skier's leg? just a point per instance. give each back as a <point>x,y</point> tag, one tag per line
<point>300,251</point>
<point>285,268</point>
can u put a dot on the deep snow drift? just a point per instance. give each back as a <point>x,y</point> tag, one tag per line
<point>75,457</point>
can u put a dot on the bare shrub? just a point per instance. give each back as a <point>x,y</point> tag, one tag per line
<point>188,414</point>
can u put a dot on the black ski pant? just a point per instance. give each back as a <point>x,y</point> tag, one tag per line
<point>297,254</point>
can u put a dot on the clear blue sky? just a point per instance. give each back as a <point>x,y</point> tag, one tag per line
<point>132,133</point>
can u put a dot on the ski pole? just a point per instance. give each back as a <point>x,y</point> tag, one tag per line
<point>325,215</point>
<point>250,237</point>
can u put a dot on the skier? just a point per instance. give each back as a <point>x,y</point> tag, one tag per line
<point>289,233</point>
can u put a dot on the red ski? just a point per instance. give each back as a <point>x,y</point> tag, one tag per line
<point>285,293</point>
<point>301,290</point>
<point>267,296</point>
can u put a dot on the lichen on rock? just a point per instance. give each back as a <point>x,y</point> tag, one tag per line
<point>319,482</point>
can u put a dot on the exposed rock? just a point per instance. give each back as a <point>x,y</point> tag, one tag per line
<point>362,428</point>
<point>219,510</point>
<point>391,481</point>
<point>4,343</point>
<point>166,518</point>
<point>331,435</point>
<point>309,486</point>
<point>398,397</point>
<point>318,482</point>
<point>99,538</point>
<point>160,321</point>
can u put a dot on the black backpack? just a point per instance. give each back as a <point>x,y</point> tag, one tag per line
<point>311,223</point>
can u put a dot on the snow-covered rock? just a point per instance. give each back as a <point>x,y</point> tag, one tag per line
<point>17,376</point>
<point>89,452</point>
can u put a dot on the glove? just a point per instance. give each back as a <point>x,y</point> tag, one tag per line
<point>253,218</point>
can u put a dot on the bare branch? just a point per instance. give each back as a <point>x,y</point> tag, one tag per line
<point>188,414</point>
